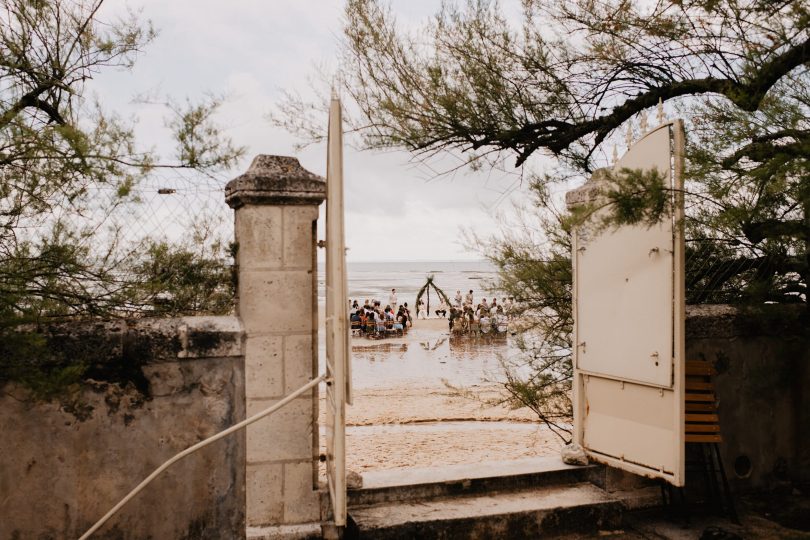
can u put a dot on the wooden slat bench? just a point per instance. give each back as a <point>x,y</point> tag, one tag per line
<point>702,423</point>
<point>702,426</point>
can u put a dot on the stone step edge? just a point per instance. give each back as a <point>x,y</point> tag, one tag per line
<point>555,507</point>
<point>433,482</point>
<point>631,499</point>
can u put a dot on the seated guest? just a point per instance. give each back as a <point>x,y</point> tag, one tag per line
<point>402,319</point>
<point>355,320</point>
<point>363,320</point>
<point>371,325</point>
<point>442,311</point>
<point>380,318</point>
<point>484,304</point>
<point>485,323</point>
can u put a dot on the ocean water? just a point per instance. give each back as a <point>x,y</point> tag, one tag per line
<point>374,280</point>
<point>427,357</point>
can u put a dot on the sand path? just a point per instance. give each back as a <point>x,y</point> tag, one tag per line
<point>403,415</point>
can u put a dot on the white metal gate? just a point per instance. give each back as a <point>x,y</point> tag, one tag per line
<point>338,390</point>
<point>629,335</point>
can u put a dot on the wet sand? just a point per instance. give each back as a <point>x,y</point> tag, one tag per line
<point>405,415</point>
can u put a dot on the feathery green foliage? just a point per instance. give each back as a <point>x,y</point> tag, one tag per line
<point>67,165</point>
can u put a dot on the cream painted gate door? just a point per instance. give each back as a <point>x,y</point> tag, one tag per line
<point>629,335</point>
<point>338,390</point>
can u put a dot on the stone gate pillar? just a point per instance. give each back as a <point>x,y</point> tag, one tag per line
<point>276,204</point>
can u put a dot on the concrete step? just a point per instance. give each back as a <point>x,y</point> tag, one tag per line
<point>525,513</point>
<point>419,484</point>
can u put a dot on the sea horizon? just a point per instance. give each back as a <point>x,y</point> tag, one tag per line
<point>375,279</point>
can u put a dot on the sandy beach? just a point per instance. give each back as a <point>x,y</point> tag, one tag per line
<point>404,414</point>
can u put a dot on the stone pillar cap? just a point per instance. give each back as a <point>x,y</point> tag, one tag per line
<point>589,192</point>
<point>275,180</point>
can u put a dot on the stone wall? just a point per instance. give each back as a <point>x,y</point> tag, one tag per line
<point>60,471</point>
<point>762,357</point>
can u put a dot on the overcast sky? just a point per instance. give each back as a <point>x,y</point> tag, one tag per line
<point>251,50</point>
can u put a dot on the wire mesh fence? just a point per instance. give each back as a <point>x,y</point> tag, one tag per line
<point>160,246</point>
<point>174,243</point>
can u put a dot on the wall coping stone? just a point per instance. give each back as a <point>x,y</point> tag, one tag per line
<point>275,180</point>
<point>713,321</point>
<point>152,340</point>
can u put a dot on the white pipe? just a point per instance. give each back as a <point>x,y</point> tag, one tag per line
<point>201,444</point>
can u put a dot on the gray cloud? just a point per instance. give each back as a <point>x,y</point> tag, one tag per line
<point>249,50</point>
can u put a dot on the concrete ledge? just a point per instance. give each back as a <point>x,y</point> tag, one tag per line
<point>304,531</point>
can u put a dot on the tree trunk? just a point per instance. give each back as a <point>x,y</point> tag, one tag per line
<point>428,303</point>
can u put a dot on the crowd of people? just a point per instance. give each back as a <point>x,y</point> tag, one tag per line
<point>372,320</point>
<point>464,315</point>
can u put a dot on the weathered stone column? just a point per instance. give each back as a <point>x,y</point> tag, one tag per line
<point>276,203</point>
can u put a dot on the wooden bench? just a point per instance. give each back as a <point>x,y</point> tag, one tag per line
<point>702,428</point>
<point>702,423</point>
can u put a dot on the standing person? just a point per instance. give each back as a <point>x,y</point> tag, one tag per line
<point>408,313</point>
<point>458,299</point>
<point>509,305</point>
<point>501,321</point>
<point>468,299</point>
<point>420,309</point>
<point>392,299</point>
<point>484,304</point>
